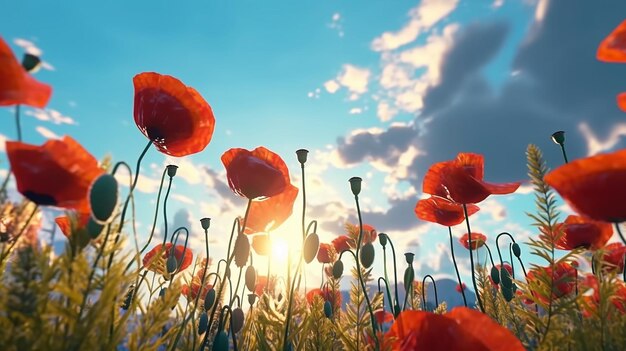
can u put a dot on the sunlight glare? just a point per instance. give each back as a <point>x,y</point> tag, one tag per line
<point>280,248</point>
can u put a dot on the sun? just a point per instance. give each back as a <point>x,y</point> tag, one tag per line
<point>280,249</point>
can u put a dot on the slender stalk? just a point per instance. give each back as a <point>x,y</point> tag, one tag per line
<point>434,286</point>
<point>395,276</point>
<point>563,151</point>
<point>388,293</point>
<point>469,235</point>
<point>456,268</point>
<point>18,124</point>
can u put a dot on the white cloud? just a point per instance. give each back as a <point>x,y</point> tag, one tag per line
<point>336,24</point>
<point>145,184</point>
<point>354,78</point>
<point>50,115</point>
<point>332,86</point>
<point>28,46</point>
<point>3,140</point>
<point>595,145</point>
<point>497,3</point>
<point>540,10</point>
<point>421,18</point>
<point>187,170</point>
<point>46,133</point>
<point>385,112</point>
<point>184,199</point>
<point>356,110</point>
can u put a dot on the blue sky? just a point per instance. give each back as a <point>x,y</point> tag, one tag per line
<point>377,89</point>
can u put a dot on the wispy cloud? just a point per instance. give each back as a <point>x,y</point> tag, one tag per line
<point>50,115</point>
<point>336,24</point>
<point>31,48</point>
<point>3,140</point>
<point>46,133</point>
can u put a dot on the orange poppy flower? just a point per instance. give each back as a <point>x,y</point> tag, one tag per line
<point>191,292</point>
<point>323,253</point>
<point>613,258</point>
<point>592,185</point>
<point>383,316</point>
<point>342,243</point>
<point>461,180</point>
<point>65,224</point>
<point>174,116</point>
<point>58,173</point>
<point>613,47</point>
<point>269,214</point>
<point>369,233</point>
<point>461,329</point>
<point>459,288</point>
<point>261,282</point>
<point>155,263</point>
<point>563,275</point>
<point>327,294</point>
<point>581,232</point>
<point>442,211</point>
<point>17,86</point>
<point>478,240</point>
<point>261,244</point>
<point>255,174</point>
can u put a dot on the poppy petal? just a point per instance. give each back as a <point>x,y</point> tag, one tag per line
<point>253,177</point>
<point>432,180</point>
<point>462,187</point>
<point>261,244</point>
<point>175,117</point>
<point>482,327</point>
<point>501,188</point>
<point>613,47</point>
<point>269,214</point>
<point>621,101</point>
<point>589,184</point>
<point>474,164</point>
<point>442,211</point>
<point>18,87</point>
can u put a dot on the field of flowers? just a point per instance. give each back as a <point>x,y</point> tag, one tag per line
<point>97,296</point>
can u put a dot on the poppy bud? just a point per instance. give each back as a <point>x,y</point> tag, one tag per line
<point>311,245</point>
<point>558,137</point>
<point>409,275</point>
<point>203,323</point>
<point>302,155</point>
<point>516,250</point>
<point>171,170</point>
<point>162,292</point>
<point>237,319</point>
<point>31,63</point>
<point>367,255</point>
<point>328,309</point>
<point>505,278</point>
<point>337,269</point>
<point>171,264</point>
<point>103,198</point>
<point>205,222</point>
<point>94,229</point>
<point>220,343</point>
<point>209,299</point>
<point>355,185</point>
<point>242,250</point>
<point>508,293</point>
<point>250,278</point>
<point>409,256</point>
<point>382,239</point>
<point>495,275</point>
<point>251,299</point>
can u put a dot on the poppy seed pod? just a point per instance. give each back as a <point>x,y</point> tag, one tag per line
<point>103,198</point>
<point>302,155</point>
<point>205,222</point>
<point>220,343</point>
<point>409,276</point>
<point>250,278</point>
<point>94,229</point>
<point>203,323</point>
<point>242,250</point>
<point>171,170</point>
<point>409,256</point>
<point>382,239</point>
<point>355,185</point>
<point>171,264</point>
<point>162,292</point>
<point>337,269</point>
<point>495,275</point>
<point>31,63</point>
<point>516,250</point>
<point>311,245</point>
<point>209,299</point>
<point>505,278</point>
<point>558,137</point>
<point>252,299</point>
<point>367,255</point>
<point>237,318</point>
<point>328,309</point>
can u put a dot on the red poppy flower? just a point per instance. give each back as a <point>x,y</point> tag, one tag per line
<point>478,240</point>
<point>621,101</point>
<point>323,253</point>
<point>342,243</point>
<point>58,173</point>
<point>613,47</point>
<point>174,116</point>
<point>383,316</point>
<point>261,282</point>
<point>563,275</point>
<point>442,211</point>
<point>498,267</point>
<point>261,244</point>
<point>461,329</point>
<point>17,86</point>
<point>614,258</point>
<point>369,233</point>
<point>327,294</point>
<point>191,292</point>
<point>461,180</point>
<point>591,186</point>
<point>65,223</point>
<point>155,260</point>
<point>459,288</point>
<point>269,214</point>
<point>581,232</point>
<point>255,174</point>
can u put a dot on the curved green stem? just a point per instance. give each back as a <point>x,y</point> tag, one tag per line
<point>456,268</point>
<point>469,235</point>
<point>434,286</point>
